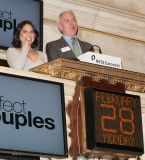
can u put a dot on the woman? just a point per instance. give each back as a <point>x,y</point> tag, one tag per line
<point>22,56</point>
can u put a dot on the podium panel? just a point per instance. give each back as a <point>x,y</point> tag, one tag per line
<point>100,77</point>
<point>75,70</point>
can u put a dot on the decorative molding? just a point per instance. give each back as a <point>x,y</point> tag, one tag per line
<point>100,17</point>
<point>75,70</point>
<point>129,7</point>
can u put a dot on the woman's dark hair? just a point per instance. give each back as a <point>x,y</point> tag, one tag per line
<point>16,40</point>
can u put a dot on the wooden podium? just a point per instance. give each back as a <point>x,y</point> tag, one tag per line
<point>75,70</point>
<point>90,75</point>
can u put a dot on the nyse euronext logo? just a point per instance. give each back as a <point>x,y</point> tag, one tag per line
<point>15,113</point>
<point>7,20</point>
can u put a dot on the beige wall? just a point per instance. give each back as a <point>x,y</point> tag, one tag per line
<point>128,5</point>
<point>117,27</point>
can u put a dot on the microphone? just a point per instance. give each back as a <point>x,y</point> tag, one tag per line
<point>98,48</point>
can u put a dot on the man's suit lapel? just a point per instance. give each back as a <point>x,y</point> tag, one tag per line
<point>85,46</point>
<point>82,46</point>
<point>63,44</point>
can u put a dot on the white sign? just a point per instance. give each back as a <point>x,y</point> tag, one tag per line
<point>101,59</point>
<point>32,117</point>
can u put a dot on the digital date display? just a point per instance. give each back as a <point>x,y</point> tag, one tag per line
<point>113,120</point>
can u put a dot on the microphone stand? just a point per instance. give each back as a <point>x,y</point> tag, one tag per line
<point>99,49</point>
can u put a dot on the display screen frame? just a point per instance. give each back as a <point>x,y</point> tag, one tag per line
<point>94,122</point>
<point>4,152</point>
<point>11,13</point>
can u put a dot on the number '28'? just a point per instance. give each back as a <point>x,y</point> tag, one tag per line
<point>122,119</point>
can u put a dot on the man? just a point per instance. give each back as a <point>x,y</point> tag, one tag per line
<point>68,46</point>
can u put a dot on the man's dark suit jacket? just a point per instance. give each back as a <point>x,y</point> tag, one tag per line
<point>55,50</point>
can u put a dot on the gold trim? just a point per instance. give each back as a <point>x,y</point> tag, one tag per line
<point>75,70</point>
